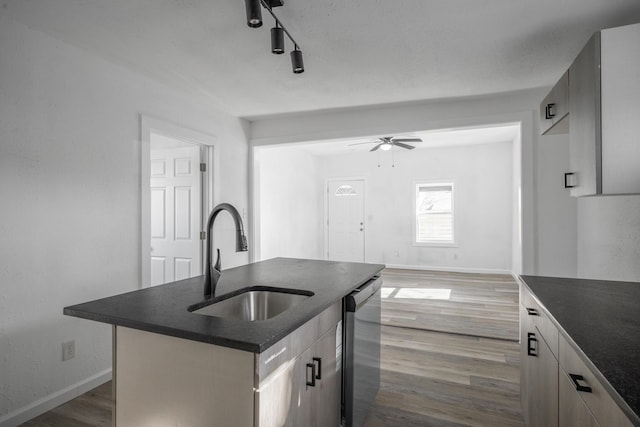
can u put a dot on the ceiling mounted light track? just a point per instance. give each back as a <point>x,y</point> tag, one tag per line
<point>254,20</point>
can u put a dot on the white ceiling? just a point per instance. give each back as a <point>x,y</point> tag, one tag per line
<point>431,139</point>
<point>356,52</point>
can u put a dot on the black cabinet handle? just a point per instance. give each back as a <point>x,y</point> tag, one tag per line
<point>532,312</point>
<point>531,344</point>
<point>566,180</point>
<point>311,383</point>
<point>549,111</point>
<point>318,360</point>
<point>575,378</point>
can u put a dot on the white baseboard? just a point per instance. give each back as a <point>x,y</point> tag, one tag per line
<point>24,414</point>
<point>450,269</point>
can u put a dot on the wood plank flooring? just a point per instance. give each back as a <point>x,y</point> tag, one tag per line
<point>90,409</point>
<point>479,305</point>
<point>448,363</point>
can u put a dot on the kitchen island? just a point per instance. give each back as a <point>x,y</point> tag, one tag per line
<point>176,367</point>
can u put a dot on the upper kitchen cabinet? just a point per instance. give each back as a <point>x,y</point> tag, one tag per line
<point>554,108</point>
<point>604,105</point>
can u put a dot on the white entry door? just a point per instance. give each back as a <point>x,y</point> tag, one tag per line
<point>176,197</point>
<point>345,223</point>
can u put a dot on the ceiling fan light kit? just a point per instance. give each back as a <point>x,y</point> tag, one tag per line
<point>254,20</point>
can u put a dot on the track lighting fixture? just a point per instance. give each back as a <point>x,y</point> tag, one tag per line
<point>296,61</point>
<point>277,40</point>
<point>254,14</point>
<point>254,20</point>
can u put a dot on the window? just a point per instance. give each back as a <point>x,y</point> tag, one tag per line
<point>434,213</point>
<point>346,190</point>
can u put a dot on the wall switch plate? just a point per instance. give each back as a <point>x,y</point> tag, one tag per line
<point>68,350</point>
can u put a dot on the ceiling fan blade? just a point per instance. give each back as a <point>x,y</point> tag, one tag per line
<point>400,144</point>
<point>406,140</point>
<point>360,143</point>
<point>376,147</point>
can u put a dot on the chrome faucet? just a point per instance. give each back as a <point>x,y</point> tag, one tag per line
<point>212,274</point>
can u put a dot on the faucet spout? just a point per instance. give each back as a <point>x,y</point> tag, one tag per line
<point>212,273</point>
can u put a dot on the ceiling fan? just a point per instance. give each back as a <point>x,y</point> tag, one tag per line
<point>385,143</point>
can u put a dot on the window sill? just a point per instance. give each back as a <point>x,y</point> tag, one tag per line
<point>436,244</point>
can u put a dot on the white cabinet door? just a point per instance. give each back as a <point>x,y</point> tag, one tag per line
<point>573,411</point>
<point>304,391</point>
<point>585,137</point>
<point>620,83</point>
<point>555,108</point>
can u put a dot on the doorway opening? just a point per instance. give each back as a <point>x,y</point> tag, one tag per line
<point>293,185</point>
<point>177,195</point>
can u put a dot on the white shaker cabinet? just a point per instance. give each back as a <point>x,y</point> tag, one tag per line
<point>554,109</point>
<point>604,105</point>
<point>557,386</point>
<point>160,380</point>
<point>539,366</point>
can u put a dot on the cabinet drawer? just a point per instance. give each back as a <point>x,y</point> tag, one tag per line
<point>600,403</point>
<point>539,319</point>
<point>555,108</point>
<point>572,409</point>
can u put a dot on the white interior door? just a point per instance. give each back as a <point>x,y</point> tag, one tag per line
<point>176,198</point>
<point>345,220</point>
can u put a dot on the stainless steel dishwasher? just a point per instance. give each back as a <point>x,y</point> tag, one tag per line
<point>361,355</point>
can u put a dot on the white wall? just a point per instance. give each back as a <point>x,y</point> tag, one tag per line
<point>483,202</point>
<point>291,210</point>
<point>609,238</point>
<point>556,210</point>
<point>70,215</point>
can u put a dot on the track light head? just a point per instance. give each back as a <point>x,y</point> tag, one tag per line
<point>296,61</point>
<point>277,40</point>
<point>254,13</point>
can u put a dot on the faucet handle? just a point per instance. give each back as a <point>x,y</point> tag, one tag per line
<point>218,264</point>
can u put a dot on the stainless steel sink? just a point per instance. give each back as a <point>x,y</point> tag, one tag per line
<point>255,304</point>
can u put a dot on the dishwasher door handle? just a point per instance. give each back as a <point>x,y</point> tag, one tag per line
<point>363,294</point>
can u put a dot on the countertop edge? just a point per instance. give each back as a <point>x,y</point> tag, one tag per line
<point>624,406</point>
<point>357,277</point>
<point>163,330</point>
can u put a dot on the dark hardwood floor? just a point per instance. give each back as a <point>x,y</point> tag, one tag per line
<point>445,362</point>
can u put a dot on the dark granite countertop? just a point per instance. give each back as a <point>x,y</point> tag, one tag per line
<point>602,318</point>
<point>163,309</point>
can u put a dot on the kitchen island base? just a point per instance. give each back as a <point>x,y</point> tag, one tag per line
<point>162,380</point>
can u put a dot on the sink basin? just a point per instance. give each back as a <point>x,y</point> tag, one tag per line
<point>255,305</point>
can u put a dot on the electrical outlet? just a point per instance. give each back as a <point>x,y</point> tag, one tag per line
<point>68,350</point>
